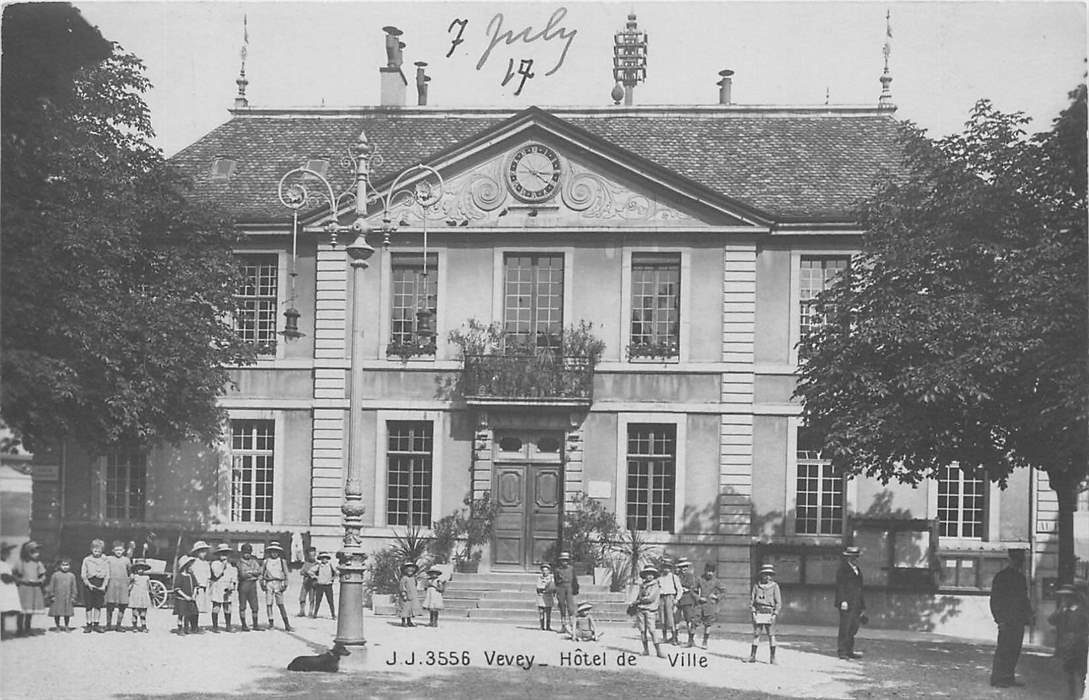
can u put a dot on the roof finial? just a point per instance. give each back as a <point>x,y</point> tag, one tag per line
<point>885,100</point>
<point>629,59</point>
<point>240,102</point>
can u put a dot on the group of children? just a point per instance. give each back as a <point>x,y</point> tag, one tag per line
<point>409,603</point>
<point>665,599</point>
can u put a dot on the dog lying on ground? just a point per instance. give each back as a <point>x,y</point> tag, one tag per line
<point>327,661</point>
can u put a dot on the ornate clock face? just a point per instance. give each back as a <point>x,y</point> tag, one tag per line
<point>534,173</point>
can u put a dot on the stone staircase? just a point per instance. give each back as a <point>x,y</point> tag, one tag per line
<point>502,596</point>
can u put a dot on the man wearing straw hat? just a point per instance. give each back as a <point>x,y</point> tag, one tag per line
<point>849,602</point>
<point>645,607</point>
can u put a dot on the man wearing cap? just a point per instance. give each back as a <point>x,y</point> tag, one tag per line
<point>687,599</point>
<point>224,581</point>
<point>567,587</point>
<point>668,588</point>
<point>1012,610</point>
<point>849,602</point>
<point>708,591</point>
<point>202,572</point>
<point>249,572</point>
<point>274,583</point>
<point>646,609</point>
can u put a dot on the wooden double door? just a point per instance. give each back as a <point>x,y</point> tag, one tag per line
<point>527,484</point>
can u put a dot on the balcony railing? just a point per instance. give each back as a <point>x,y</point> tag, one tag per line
<point>542,378</point>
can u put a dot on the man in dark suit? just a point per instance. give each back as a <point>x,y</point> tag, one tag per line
<point>1012,610</point>
<point>849,602</point>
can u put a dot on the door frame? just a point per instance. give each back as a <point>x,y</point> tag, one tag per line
<point>529,459</point>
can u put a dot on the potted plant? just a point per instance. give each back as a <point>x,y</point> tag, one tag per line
<point>459,537</point>
<point>588,530</point>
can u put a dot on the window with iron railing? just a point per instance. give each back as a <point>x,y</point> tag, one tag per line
<point>414,289</point>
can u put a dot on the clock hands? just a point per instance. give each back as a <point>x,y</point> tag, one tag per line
<point>536,174</point>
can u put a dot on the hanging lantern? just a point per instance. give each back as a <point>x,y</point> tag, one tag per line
<point>425,326</point>
<point>291,324</point>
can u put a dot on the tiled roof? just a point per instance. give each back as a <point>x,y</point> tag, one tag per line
<point>789,166</point>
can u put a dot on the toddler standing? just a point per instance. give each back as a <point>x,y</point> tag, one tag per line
<point>139,595</point>
<point>185,604</point>
<point>546,588</point>
<point>323,576</point>
<point>61,593</point>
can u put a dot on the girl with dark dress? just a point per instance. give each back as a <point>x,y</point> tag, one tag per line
<point>61,592</point>
<point>185,604</point>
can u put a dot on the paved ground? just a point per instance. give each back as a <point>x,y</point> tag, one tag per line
<point>242,665</point>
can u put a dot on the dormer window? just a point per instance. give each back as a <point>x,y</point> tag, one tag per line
<point>318,165</point>
<point>223,168</point>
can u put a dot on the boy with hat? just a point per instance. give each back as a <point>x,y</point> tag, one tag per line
<point>546,588</point>
<point>407,594</point>
<point>687,599</point>
<point>433,601</point>
<point>849,602</point>
<point>306,590</point>
<point>567,587</point>
<point>202,572</point>
<point>646,609</point>
<point>707,594</point>
<point>323,575</point>
<point>765,603</point>
<point>223,582</point>
<point>584,629</point>
<point>1071,621</point>
<point>668,587</point>
<point>274,583</point>
<point>249,572</point>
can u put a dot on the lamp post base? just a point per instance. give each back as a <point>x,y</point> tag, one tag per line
<point>350,617</point>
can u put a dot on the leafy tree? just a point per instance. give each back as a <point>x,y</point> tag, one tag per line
<point>117,290</point>
<point>959,335</point>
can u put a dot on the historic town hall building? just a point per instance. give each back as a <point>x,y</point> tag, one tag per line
<point>690,239</point>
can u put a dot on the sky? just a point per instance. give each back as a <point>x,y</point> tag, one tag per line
<point>1024,56</point>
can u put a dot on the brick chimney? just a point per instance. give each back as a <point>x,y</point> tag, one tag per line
<point>725,86</point>
<point>392,80</point>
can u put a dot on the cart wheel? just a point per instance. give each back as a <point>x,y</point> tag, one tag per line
<point>158,593</point>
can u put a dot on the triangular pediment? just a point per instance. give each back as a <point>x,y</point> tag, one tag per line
<point>536,171</point>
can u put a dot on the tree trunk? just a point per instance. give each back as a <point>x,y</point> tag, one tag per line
<point>1066,489</point>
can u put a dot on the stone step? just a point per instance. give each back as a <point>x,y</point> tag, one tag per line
<point>509,615</point>
<point>457,585</point>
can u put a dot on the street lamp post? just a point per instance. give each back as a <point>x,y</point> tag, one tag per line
<point>294,195</point>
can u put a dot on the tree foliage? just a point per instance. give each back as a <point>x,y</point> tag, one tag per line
<point>959,335</point>
<point>117,291</point>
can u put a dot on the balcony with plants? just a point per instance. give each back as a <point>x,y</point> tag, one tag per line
<point>499,368</point>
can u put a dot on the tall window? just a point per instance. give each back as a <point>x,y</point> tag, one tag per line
<point>413,291</point>
<point>533,299</point>
<point>960,504</point>
<point>652,476</point>
<point>819,508</point>
<point>255,317</point>
<point>253,446</point>
<point>817,274</point>
<point>408,461</point>
<point>655,305</point>
<point>126,485</point>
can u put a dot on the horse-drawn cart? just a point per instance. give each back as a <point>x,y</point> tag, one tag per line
<point>161,584</point>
